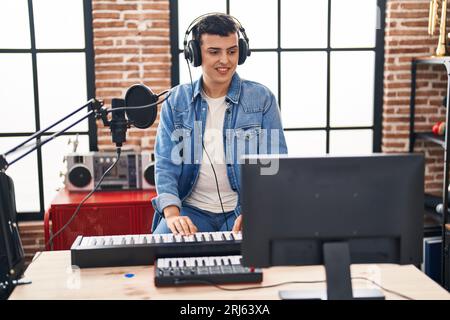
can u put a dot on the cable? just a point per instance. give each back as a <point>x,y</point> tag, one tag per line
<point>50,241</point>
<point>217,186</point>
<point>181,282</point>
<point>383,288</point>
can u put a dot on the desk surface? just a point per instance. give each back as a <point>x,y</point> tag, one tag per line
<point>52,279</point>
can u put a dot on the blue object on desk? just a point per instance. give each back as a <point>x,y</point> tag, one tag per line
<point>129,275</point>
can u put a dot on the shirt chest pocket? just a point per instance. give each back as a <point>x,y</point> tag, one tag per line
<point>248,133</point>
<point>247,139</point>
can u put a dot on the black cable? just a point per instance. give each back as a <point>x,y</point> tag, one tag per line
<point>50,241</point>
<point>201,281</point>
<point>217,186</point>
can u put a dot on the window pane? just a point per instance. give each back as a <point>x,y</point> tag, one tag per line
<point>16,93</point>
<point>62,88</point>
<point>303,89</point>
<point>53,154</point>
<point>352,88</point>
<point>24,174</point>
<point>188,10</point>
<point>59,24</point>
<point>305,143</point>
<point>261,67</point>
<point>259,19</point>
<point>353,23</point>
<point>304,24</point>
<point>349,142</point>
<point>14,25</point>
<point>184,72</point>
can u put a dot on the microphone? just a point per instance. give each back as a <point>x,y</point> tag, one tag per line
<point>140,108</point>
<point>118,124</point>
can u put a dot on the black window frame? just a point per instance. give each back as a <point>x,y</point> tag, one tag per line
<point>379,68</point>
<point>90,79</point>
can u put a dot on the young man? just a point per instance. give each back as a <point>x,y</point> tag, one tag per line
<point>205,127</point>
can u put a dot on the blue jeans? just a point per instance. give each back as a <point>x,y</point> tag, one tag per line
<point>205,221</point>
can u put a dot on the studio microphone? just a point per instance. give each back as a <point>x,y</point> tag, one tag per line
<point>140,108</point>
<point>118,124</point>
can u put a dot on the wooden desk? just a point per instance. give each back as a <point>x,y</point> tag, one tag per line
<point>52,279</point>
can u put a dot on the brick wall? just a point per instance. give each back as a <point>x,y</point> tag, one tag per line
<point>132,45</point>
<point>32,236</point>
<point>407,37</point>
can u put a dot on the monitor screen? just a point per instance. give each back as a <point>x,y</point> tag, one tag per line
<point>293,206</point>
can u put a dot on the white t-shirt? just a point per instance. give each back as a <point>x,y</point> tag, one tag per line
<point>204,195</point>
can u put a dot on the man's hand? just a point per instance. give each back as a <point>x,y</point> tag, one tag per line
<point>178,224</point>
<point>237,224</point>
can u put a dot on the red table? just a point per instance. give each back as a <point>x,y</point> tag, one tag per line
<point>105,213</point>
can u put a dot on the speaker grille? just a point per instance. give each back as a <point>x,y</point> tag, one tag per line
<point>149,174</point>
<point>80,176</point>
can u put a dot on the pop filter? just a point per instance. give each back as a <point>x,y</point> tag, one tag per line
<point>136,96</point>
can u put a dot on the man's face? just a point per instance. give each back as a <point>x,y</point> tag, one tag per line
<point>220,57</point>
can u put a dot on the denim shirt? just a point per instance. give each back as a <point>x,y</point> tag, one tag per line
<point>252,125</point>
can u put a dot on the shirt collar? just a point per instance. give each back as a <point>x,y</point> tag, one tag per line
<point>233,93</point>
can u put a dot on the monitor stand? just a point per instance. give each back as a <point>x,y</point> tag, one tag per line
<point>339,283</point>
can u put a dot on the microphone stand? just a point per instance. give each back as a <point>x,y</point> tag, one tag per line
<point>12,256</point>
<point>10,242</point>
<point>97,109</point>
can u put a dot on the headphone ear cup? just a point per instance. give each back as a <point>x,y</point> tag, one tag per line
<point>243,50</point>
<point>195,55</point>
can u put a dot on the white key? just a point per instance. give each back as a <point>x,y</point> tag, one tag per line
<point>157,238</point>
<point>235,260</point>
<point>160,263</point>
<point>208,236</point>
<point>225,261</point>
<point>101,241</point>
<point>92,241</point>
<point>198,236</point>
<point>117,240</point>
<point>238,236</point>
<point>218,261</point>
<point>179,238</point>
<point>190,238</point>
<point>209,261</point>
<point>190,262</point>
<point>228,235</point>
<point>85,241</point>
<point>135,238</point>
<point>146,238</point>
<point>127,239</point>
<point>217,236</point>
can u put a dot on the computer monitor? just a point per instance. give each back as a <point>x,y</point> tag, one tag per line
<point>332,210</point>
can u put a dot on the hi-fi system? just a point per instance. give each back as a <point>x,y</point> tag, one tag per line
<point>134,170</point>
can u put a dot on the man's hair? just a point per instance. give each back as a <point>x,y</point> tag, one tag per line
<point>218,24</point>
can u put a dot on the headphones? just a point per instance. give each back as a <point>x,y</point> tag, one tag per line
<point>192,52</point>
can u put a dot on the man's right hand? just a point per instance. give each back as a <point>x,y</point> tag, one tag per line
<point>178,224</point>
